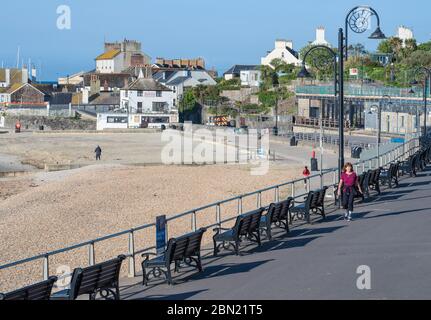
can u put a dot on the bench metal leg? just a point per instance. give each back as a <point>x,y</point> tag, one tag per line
<point>169,276</point>
<point>199,263</point>
<point>215,248</point>
<point>236,248</point>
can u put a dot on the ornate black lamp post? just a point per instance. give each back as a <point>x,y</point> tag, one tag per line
<point>384,101</point>
<point>358,20</point>
<point>322,61</point>
<point>426,72</point>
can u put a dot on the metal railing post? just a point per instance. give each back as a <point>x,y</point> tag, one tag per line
<point>239,205</point>
<point>293,190</point>
<point>259,200</point>
<point>91,254</point>
<point>132,271</point>
<point>218,214</point>
<point>194,224</point>
<point>45,272</point>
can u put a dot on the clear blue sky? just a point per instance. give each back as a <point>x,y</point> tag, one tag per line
<point>224,32</point>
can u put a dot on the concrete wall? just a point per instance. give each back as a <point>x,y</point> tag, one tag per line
<point>239,95</point>
<point>51,123</point>
<point>52,111</point>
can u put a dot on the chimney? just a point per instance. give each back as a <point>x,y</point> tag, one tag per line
<point>282,44</point>
<point>24,74</point>
<point>320,35</point>
<point>7,71</point>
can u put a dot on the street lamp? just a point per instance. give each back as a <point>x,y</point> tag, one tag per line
<point>277,91</point>
<point>358,20</point>
<point>304,73</point>
<point>378,110</point>
<point>427,72</point>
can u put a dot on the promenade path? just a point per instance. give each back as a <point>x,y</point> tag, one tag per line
<point>390,234</point>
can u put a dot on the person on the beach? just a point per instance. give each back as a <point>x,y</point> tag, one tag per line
<point>98,152</point>
<point>348,188</point>
<point>306,173</point>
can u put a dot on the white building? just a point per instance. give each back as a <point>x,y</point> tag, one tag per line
<point>235,71</point>
<point>110,62</point>
<point>4,78</point>
<point>283,50</point>
<point>404,34</point>
<point>152,102</point>
<point>320,38</point>
<point>179,80</point>
<point>74,79</point>
<point>250,78</point>
<point>4,96</point>
<point>134,120</point>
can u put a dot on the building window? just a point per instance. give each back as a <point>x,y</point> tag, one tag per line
<point>139,107</point>
<point>140,93</point>
<point>155,120</point>
<point>159,106</point>
<point>158,94</point>
<point>126,93</point>
<point>116,119</point>
<point>402,121</point>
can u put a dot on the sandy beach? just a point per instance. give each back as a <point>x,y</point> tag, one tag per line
<point>50,210</point>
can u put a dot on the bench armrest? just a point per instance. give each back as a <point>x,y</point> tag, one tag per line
<point>147,255</point>
<point>61,295</point>
<point>296,201</point>
<point>217,230</point>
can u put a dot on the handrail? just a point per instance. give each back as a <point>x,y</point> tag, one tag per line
<point>399,149</point>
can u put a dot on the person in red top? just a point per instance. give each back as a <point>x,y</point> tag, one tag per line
<point>306,173</point>
<point>347,188</point>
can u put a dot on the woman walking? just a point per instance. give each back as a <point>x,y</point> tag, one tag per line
<point>306,173</point>
<point>347,188</point>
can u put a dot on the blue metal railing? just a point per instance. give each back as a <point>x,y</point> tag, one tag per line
<point>361,91</point>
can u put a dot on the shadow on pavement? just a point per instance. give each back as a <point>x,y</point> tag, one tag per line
<point>178,296</point>
<point>395,213</point>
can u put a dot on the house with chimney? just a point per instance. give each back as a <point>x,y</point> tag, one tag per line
<point>283,50</point>
<point>179,80</point>
<point>144,103</point>
<point>118,56</point>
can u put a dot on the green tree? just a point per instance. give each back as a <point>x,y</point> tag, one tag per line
<point>269,77</point>
<point>188,102</point>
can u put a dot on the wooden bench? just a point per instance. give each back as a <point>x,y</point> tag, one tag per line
<point>100,279</point>
<point>313,204</point>
<point>410,165</point>
<point>38,291</point>
<point>185,249</point>
<point>390,175</point>
<point>246,226</point>
<point>374,181</point>
<point>278,215</point>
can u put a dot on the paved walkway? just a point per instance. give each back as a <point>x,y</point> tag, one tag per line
<point>391,234</point>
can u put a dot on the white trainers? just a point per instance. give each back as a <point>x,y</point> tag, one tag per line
<point>349,216</point>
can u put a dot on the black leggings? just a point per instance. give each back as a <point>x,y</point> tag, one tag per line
<point>348,198</point>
